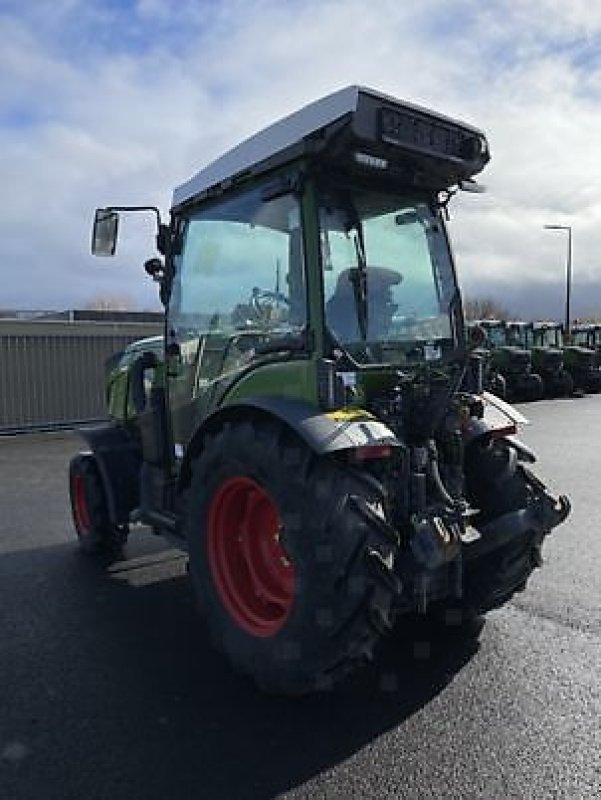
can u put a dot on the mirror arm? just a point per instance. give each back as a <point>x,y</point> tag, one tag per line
<point>163,239</point>
<point>154,209</point>
<point>159,272</point>
<point>169,237</point>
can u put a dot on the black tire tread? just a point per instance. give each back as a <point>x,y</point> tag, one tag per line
<point>104,537</point>
<point>494,578</point>
<point>315,494</point>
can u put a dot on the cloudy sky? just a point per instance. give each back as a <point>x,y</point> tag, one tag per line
<point>117,101</point>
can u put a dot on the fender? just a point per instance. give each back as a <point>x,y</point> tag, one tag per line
<point>119,458</point>
<point>499,421</point>
<point>504,407</point>
<point>323,431</point>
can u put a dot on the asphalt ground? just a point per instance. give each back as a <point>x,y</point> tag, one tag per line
<point>109,687</point>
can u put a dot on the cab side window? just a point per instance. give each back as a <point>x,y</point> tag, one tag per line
<point>239,282</point>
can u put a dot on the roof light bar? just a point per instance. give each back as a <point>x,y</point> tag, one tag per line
<point>417,131</point>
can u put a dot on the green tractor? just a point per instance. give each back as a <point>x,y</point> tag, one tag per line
<point>547,356</point>
<point>588,335</point>
<point>579,361</point>
<point>511,357</point>
<point>305,437</point>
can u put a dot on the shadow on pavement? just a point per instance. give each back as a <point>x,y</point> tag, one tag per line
<point>112,689</point>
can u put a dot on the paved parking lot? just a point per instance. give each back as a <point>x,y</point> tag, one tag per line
<point>110,689</point>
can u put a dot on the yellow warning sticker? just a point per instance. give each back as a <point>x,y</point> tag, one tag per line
<point>349,415</point>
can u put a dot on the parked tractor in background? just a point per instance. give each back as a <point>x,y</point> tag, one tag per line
<point>588,335</point>
<point>547,358</point>
<point>307,439</point>
<point>579,361</point>
<point>511,357</point>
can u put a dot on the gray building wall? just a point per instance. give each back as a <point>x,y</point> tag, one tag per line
<point>52,372</point>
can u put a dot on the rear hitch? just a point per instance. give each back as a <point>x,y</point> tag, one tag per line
<point>552,511</point>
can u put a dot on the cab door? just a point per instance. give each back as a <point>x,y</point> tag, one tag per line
<point>238,285</point>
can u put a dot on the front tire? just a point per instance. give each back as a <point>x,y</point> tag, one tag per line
<point>95,532</point>
<point>291,558</point>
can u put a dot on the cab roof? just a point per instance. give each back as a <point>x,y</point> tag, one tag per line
<point>374,120</point>
<point>586,326</point>
<point>547,325</point>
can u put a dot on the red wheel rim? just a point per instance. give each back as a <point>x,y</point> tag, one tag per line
<point>80,506</point>
<point>252,572</point>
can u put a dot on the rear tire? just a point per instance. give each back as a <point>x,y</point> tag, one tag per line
<point>290,556</point>
<point>95,532</point>
<point>497,484</point>
<point>536,389</point>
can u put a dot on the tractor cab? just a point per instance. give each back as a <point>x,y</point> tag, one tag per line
<point>548,358</point>
<point>589,336</point>
<point>518,334</point>
<point>548,335</point>
<point>510,344</point>
<point>579,359</point>
<point>494,330</point>
<point>310,258</point>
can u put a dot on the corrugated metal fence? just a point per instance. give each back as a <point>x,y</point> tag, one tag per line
<point>52,374</point>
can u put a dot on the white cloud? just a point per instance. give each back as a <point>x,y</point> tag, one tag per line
<point>91,120</point>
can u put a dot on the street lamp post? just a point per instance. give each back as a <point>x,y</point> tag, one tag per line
<point>567,228</point>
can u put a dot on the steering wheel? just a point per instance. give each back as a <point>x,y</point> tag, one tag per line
<point>264,301</point>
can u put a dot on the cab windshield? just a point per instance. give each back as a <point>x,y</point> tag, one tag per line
<point>587,337</point>
<point>581,338</point>
<point>520,336</point>
<point>387,274</point>
<point>549,337</point>
<point>495,334</point>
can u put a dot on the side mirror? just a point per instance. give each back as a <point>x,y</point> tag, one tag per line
<point>104,232</point>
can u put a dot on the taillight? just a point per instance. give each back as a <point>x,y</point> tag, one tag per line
<point>499,433</point>
<point>370,451</point>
